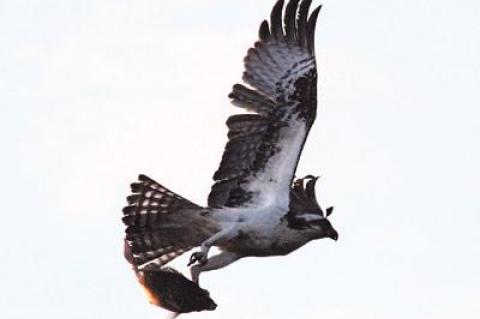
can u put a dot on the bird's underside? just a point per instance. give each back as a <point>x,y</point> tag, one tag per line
<point>255,207</point>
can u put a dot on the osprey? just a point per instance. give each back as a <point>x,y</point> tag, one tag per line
<point>255,207</point>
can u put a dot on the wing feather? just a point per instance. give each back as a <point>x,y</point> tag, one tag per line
<point>276,20</point>
<point>302,21</point>
<point>290,22</point>
<point>264,146</point>
<point>251,100</point>
<point>311,24</point>
<point>264,31</point>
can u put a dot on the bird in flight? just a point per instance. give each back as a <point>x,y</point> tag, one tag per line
<point>256,207</point>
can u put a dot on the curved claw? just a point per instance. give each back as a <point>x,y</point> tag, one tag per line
<point>198,257</point>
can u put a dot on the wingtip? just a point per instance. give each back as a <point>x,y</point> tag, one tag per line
<point>289,20</point>
<point>295,24</point>
<point>264,31</point>
<point>316,10</point>
<point>302,18</point>
<point>311,25</point>
<point>276,19</point>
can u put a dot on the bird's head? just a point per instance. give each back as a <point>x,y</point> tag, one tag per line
<point>305,213</point>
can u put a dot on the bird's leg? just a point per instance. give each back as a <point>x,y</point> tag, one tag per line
<point>202,255</point>
<point>218,261</point>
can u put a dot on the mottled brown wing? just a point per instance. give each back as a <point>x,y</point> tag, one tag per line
<point>264,146</point>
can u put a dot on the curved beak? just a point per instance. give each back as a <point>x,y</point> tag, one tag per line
<point>333,235</point>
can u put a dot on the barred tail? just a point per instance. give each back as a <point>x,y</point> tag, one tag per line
<point>162,225</point>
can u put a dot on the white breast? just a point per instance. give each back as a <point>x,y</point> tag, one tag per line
<point>259,232</point>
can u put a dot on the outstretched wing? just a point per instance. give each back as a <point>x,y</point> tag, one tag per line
<point>264,145</point>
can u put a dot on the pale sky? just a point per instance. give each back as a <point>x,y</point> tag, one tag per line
<point>94,92</point>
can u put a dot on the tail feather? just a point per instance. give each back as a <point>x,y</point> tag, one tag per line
<point>150,201</point>
<point>161,225</point>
